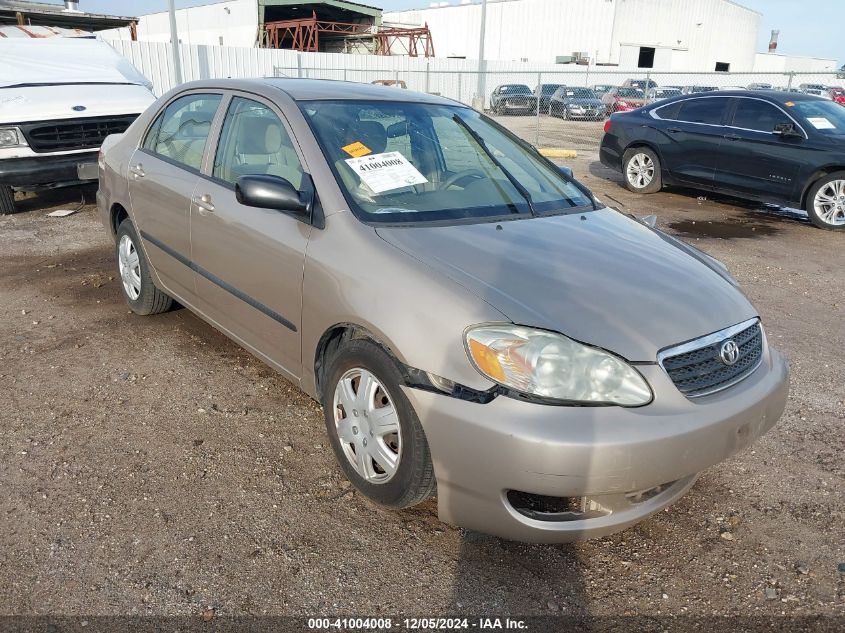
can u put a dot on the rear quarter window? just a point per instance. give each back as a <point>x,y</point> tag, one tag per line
<point>669,112</point>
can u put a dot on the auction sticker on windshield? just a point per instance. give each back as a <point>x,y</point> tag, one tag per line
<point>385,172</point>
<point>821,123</point>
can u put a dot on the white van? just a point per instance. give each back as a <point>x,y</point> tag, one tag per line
<point>59,98</point>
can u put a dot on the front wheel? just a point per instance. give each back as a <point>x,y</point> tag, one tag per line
<point>375,433</point>
<point>826,202</point>
<point>641,168</point>
<point>7,200</point>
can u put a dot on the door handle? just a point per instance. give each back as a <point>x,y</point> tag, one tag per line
<point>732,137</point>
<point>138,170</point>
<point>203,202</point>
<point>674,130</point>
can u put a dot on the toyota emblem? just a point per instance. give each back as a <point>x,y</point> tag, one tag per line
<point>729,353</point>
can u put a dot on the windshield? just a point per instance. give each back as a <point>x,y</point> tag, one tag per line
<point>826,117</point>
<point>413,162</point>
<point>550,88</point>
<point>580,93</point>
<point>515,90</point>
<point>631,92</point>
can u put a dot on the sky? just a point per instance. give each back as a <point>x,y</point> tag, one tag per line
<point>812,27</point>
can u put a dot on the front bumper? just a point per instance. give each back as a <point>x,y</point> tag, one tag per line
<point>44,171</point>
<point>603,454</point>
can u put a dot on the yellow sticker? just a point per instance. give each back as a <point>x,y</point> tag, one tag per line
<point>356,149</point>
<point>789,104</point>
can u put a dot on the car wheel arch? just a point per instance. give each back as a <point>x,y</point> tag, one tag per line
<point>334,337</point>
<point>815,177</point>
<point>117,214</point>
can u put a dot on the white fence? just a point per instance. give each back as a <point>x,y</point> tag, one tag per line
<point>454,78</point>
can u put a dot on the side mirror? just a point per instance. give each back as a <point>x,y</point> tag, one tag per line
<point>566,171</point>
<point>786,130</point>
<point>274,192</point>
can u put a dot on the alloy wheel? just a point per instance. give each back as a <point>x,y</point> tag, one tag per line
<point>367,426</point>
<point>640,171</point>
<point>829,203</point>
<point>129,264</point>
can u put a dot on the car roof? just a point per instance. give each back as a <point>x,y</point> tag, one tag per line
<point>776,96</point>
<point>321,89</point>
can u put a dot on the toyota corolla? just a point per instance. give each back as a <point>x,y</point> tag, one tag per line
<point>474,322</point>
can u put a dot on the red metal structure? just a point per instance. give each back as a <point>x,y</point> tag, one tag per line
<point>411,41</point>
<point>303,34</point>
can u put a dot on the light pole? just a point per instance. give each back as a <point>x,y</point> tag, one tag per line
<point>174,39</point>
<point>481,66</point>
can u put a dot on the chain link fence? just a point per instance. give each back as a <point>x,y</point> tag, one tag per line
<point>566,109</point>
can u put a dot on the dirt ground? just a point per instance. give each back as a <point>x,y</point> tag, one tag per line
<point>148,465</point>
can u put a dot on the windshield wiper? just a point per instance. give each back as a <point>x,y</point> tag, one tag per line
<point>477,138</point>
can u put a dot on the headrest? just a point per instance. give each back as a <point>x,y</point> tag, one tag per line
<point>259,135</point>
<point>370,133</point>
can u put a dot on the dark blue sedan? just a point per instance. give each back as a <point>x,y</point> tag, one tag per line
<point>778,147</point>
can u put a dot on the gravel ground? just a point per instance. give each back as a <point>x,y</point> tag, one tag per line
<point>148,465</point>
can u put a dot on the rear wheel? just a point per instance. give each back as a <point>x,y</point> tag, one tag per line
<point>7,200</point>
<point>375,433</point>
<point>641,169</point>
<point>135,280</point>
<point>826,202</point>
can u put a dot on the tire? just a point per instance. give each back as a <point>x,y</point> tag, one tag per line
<point>134,274</point>
<point>828,211</point>
<point>412,481</point>
<point>7,200</point>
<point>641,170</point>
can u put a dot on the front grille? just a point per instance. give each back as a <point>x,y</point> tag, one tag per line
<point>697,368</point>
<point>68,134</point>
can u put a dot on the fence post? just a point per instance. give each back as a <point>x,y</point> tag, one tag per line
<point>460,95</point>
<point>427,77</point>
<point>537,107</point>
<point>299,65</point>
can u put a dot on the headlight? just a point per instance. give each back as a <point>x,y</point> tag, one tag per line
<point>551,366</point>
<point>11,137</point>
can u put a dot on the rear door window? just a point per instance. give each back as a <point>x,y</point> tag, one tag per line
<point>180,133</point>
<point>710,110</point>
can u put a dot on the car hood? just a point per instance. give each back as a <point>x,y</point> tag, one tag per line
<point>598,277</point>
<point>71,101</point>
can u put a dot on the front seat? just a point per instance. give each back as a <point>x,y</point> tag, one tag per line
<point>261,149</point>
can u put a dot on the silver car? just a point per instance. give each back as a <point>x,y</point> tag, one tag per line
<point>475,323</point>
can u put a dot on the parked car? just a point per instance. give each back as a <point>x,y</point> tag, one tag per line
<point>601,89</point>
<point>623,99</point>
<point>761,86</point>
<point>813,89</point>
<point>395,83</point>
<point>513,99</point>
<point>658,94</point>
<point>555,394</point>
<point>577,103</point>
<point>771,146</point>
<point>837,95</point>
<point>691,90</point>
<point>732,88</point>
<point>544,93</point>
<point>59,98</point>
<point>640,84</point>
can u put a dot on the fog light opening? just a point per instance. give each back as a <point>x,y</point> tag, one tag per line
<point>546,508</point>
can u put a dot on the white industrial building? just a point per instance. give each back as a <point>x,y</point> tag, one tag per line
<point>669,35</point>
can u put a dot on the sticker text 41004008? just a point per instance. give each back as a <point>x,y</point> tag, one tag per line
<point>385,172</point>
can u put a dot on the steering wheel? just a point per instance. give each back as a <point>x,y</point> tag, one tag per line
<point>466,173</point>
